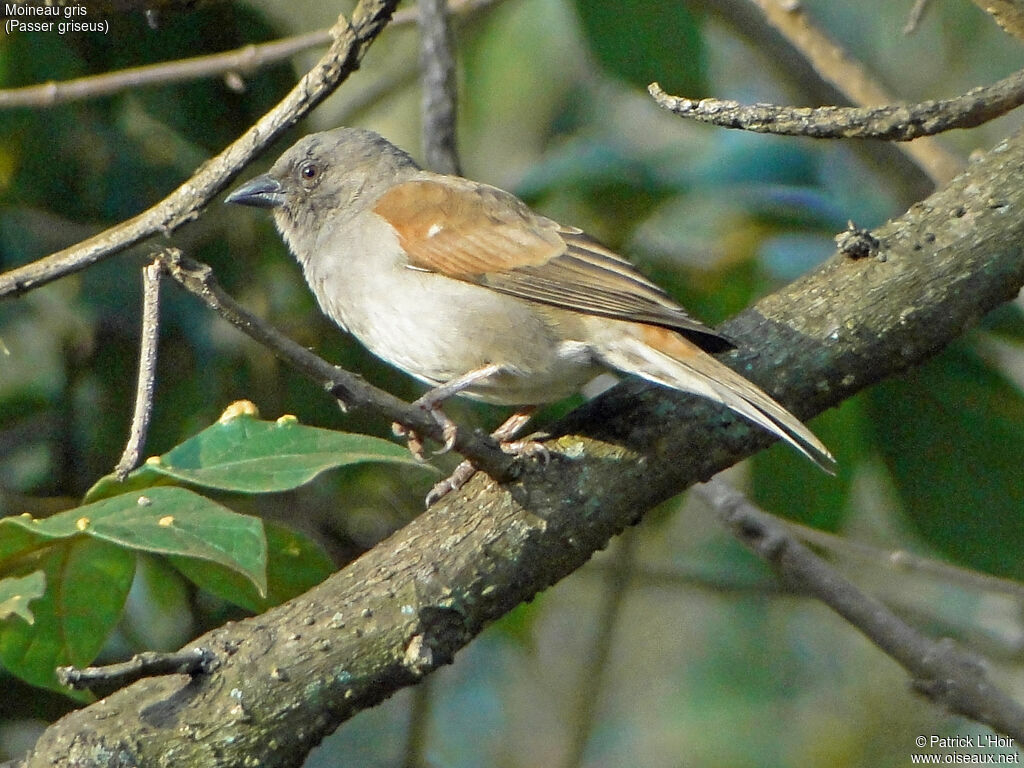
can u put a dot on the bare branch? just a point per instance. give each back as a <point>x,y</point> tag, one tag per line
<point>184,204</point>
<point>940,670</point>
<point>894,122</point>
<point>241,61</point>
<point>851,78</point>
<point>121,6</point>
<point>149,340</point>
<point>915,16</point>
<point>192,661</point>
<point>437,64</point>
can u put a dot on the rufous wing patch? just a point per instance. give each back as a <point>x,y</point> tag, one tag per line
<point>462,229</point>
<point>480,234</point>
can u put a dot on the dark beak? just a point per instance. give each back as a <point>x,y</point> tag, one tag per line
<point>262,192</point>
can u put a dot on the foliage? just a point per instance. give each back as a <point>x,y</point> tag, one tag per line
<point>233,556</point>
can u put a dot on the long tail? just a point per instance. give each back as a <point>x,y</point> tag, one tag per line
<point>664,357</point>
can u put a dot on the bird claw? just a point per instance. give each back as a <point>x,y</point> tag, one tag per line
<point>412,440</point>
<point>523,449</point>
<point>449,430</point>
<point>528,448</point>
<point>453,482</point>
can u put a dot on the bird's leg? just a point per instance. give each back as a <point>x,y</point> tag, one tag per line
<point>503,434</point>
<point>431,403</point>
<point>513,426</point>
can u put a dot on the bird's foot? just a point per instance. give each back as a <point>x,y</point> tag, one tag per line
<point>527,449</point>
<point>453,482</point>
<point>449,430</point>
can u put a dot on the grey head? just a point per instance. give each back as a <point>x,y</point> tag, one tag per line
<point>325,178</point>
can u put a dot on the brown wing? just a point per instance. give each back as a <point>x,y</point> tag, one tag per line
<point>482,235</point>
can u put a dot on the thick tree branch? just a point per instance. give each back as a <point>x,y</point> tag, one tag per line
<point>1009,14</point>
<point>891,122</point>
<point>290,676</point>
<point>351,40</point>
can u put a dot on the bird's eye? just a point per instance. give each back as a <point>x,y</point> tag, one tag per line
<point>308,171</point>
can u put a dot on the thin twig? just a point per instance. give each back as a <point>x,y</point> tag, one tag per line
<point>244,61</point>
<point>939,669</point>
<point>123,6</point>
<point>915,16</point>
<point>198,279</point>
<point>419,725</point>
<point>193,661</point>
<point>437,65</point>
<point>147,371</point>
<point>851,78</point>
<point>595,664</point>
<point>351,40</point>
<point>893,122</point>
<point>903,177</point>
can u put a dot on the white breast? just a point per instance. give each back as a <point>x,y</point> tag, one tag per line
<point>436,328</point>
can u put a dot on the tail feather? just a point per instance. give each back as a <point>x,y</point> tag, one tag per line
<point>659,355</point>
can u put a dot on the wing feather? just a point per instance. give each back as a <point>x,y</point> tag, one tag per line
<point>483,235</point>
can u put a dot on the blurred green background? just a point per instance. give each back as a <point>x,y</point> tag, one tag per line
<point>704,663</point>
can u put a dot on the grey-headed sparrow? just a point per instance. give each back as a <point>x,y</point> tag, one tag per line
<point>461,285</point>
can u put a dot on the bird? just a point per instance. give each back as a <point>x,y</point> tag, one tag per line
<point>463,286</point>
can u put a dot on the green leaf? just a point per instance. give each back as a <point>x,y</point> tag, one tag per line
<point>17,593</point>
<point>15,540</point>
<point>89,581</point>
<point>165,520</point>
<point>643,42</point>
<point>109,486</point>
<point>247,455</point>
<point>295,564</point>
<point>952,436</point>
